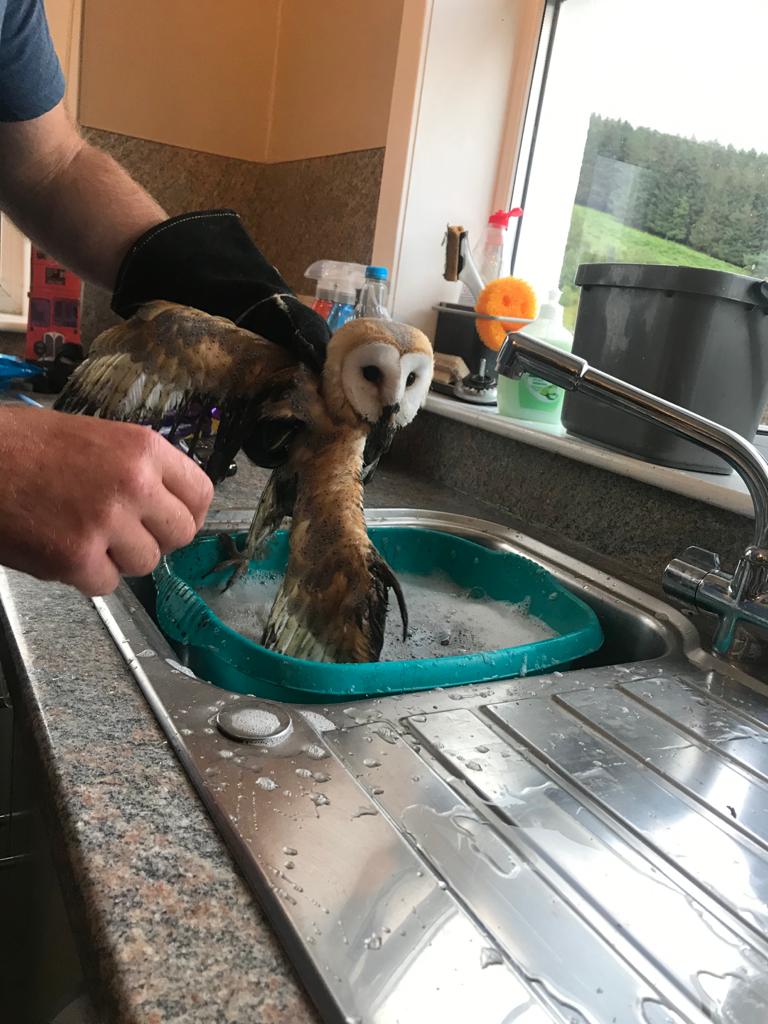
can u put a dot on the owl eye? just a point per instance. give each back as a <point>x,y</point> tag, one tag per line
<point>410,379</point>
<point>372,373</point>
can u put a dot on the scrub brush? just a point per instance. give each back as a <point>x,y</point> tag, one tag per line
<point>459,265</point>
<point>479,387</point>
<point>508,296</point>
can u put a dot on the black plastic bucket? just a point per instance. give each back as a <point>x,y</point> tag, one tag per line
<point>696,337</point>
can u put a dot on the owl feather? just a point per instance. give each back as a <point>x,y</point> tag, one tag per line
<point>323,435</point>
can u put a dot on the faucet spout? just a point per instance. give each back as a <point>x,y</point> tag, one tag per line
<point>740,597</point>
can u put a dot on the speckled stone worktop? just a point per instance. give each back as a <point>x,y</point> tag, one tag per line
<point>167,928</point>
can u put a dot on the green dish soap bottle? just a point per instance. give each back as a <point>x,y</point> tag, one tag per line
<point>529,397</point>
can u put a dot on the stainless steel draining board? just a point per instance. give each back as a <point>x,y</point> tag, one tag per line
<point>584,848</point>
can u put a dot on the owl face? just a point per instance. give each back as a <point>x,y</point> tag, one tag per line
<point>378,369</point>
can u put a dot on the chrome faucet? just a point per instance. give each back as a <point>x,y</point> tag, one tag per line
<point>695,578</point>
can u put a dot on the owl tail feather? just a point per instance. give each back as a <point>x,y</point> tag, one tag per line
<point>295,628</point>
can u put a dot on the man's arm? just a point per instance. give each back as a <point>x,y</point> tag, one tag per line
<point>71,199</point>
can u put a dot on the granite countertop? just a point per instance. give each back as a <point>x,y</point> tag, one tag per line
<point>169,931</point>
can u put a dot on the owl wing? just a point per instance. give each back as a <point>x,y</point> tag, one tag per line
<point>332,603</point>
<point>164,359</point>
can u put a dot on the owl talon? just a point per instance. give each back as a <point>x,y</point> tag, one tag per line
<point>236,559</point>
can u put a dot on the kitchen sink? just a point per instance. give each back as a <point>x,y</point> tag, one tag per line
<point>583,847</point>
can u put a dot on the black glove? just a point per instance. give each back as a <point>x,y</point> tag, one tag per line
<point>207,260</point>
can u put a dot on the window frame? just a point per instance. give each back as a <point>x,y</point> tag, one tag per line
<point>532,114</point>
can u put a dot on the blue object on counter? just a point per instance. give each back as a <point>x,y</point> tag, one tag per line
<point>339,314</point>
<point>230,660</point>
<point>12,368</point>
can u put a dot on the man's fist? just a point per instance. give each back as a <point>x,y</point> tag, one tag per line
<point>84,501</point>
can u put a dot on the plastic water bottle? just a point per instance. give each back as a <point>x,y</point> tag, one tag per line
<point>373,297</point>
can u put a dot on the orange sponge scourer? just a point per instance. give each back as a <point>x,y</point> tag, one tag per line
<point>508,296</point>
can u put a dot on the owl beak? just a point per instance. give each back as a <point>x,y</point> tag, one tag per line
<point>390,411</point>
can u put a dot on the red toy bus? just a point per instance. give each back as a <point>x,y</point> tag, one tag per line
<point>54,307</point>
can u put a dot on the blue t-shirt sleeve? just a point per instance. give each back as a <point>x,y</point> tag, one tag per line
<point>31,82</point>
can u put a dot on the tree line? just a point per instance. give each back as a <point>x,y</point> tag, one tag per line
<point>710,197</point>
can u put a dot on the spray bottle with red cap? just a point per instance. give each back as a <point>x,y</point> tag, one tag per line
<point>493,253</point>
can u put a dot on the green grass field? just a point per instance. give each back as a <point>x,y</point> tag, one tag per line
<point>597,237</point>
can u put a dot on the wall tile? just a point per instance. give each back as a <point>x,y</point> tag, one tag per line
<point>297,212</point>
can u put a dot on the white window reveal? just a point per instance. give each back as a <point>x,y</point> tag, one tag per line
<point>14,276</point>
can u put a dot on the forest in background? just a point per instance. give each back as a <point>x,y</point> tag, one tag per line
<point>709,197</point>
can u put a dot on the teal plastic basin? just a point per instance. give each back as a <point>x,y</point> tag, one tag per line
<point>228,659</point>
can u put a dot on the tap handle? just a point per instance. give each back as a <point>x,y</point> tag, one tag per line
<point>702,559</point>
<point>683,576</point>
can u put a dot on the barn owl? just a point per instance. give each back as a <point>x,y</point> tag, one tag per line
<point>320,433</point>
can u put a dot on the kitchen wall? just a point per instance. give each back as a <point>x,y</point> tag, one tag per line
<point>277,109</point>
<point>297,211</point>
<point>270,81</point>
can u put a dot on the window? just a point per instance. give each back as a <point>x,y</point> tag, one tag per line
<point>644,147</point>
<point>40,312</point>
<point>55,275</point>
<point>65,312</point>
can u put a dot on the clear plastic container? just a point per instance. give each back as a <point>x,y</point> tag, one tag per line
<point>335,279</point>
<point>493,254</point>
<point>373,297</point>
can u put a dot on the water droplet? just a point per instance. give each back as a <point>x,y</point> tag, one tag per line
<point>289,851</point>
<point>387,733</point>
<point>474,766</point>
<point>489,956</point>
<point>316,752</point>
<point>364,812</point>
<point>226,754</point>
<point>371,762</point>
<point>320,777</point>
<point>655,1012</point>
<point>373,942</point>
<point>319,799</point>
<point>264,783</point>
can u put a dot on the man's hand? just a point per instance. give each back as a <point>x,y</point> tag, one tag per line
<point>88,500</point>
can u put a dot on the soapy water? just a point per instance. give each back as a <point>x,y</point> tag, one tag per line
<point>445,618</point>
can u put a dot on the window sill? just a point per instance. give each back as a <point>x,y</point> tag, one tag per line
<point>727,492</point>
<point>11,322</point>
